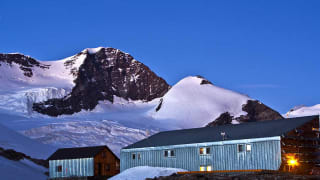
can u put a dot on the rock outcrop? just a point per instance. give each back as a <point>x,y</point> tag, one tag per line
<point>106,73</point>
<point>25,62</point>
<point>256,111</point>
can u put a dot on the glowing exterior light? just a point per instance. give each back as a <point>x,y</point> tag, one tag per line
<point>293,162</point>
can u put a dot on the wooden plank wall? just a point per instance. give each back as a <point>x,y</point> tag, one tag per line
<point>301,143</point>
<point>106,164</point>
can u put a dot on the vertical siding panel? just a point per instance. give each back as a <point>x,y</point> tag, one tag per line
<point>71,167</point>
<point>63,173</point>
<point>263,155</point>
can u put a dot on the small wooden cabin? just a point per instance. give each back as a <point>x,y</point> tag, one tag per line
<point>285,145</point>
<point>97,161</point>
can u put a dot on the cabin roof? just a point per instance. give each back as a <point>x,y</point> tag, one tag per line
<point>261,129</point>
<point>78,152</point>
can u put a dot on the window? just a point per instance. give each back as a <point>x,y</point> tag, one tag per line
<point>206,168</point>
<point>248,147</point>
<point>104,154</point>
<point>209,168</point>
<point>202,168</point>
<point>169,153</point>
<point>59,168</point>
<point>100,169</point>
<point>204,150</point>
<point>201,151</point>
<point>241,147</point>
<point>244,147</point>
<point>117,165</point>
<point>107,167</point>
<point>172,153</point>
<point>133,156</point>
<point>139,156</point>
<point>166,153</point>
<point>207,150</point>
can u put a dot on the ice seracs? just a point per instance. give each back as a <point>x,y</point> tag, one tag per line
<point>88,133</point>
<point>22,101</point>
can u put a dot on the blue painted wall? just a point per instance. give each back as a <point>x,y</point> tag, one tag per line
<point>265,154</point>
<point>71,167</point>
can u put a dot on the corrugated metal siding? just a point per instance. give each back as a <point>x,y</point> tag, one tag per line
<point>264,155</point>
<point>71,167</point>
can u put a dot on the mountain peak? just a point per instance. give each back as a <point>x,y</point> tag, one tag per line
<point>195,80</point>
<point>104,49</point>
<point>103,74</point>
<point>204,80</point>
<point>191,99</point>
<point>93,50</point>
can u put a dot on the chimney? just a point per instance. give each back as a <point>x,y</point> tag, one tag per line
<point>223,134</point>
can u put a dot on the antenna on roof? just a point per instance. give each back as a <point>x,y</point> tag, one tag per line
<point>223,134</point>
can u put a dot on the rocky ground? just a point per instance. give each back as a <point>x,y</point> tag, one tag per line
<point>237,176</point>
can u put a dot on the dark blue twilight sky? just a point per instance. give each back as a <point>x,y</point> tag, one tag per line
<point>268,49</point>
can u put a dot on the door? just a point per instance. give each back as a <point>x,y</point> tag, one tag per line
<point>99,169</point>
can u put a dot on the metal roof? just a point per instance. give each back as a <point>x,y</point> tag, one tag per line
<point>248,130</point>
<point>79,152</point>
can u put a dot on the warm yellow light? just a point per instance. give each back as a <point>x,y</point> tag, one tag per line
<point>293,162</point>
<point>209,168</point>
<point>202,168</point>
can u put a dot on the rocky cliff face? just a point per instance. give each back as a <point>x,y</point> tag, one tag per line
<point>106,73</point>
<point>256,111</point>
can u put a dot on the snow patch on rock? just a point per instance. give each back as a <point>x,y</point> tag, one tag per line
<point>93,50</point>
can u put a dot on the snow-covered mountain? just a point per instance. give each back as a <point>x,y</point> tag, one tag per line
<point>105,96</point>
<point>195,101</point>
<point>192,103</point>
<point>303,111</point>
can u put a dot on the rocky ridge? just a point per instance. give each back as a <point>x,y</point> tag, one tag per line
<point>104,74</point>
<point>25,62</point>
<point>256,111</point>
